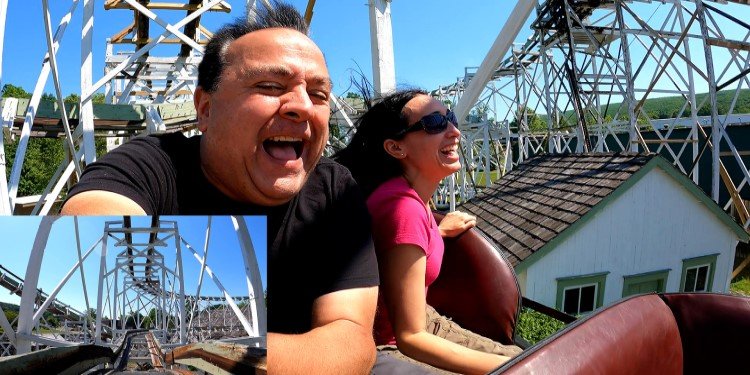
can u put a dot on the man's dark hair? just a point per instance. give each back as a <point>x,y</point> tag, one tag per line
<point>278,15</point>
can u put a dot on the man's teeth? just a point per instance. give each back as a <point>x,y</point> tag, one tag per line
<point>285,139</point>
<point>448,149</point>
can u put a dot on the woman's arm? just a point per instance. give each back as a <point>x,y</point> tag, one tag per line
<point>402,271</point>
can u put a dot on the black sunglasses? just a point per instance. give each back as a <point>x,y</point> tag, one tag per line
<point>434,123</point>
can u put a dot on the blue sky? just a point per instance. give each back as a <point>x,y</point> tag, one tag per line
<point>60,255</point>
<point>450,36</point>
<point>434,40</point>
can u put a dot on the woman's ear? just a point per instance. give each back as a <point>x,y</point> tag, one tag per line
<point>394,148</point>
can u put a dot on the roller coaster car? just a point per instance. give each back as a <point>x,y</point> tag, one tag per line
<point>665,333</point>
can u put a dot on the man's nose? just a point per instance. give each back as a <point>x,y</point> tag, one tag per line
<point>296,105</point>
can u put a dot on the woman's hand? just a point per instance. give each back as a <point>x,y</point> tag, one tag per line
<point>455,223</point>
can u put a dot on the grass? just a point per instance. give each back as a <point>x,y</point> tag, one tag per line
<point>534,326</point>
<point>741,286</point>
<point>494,175</point>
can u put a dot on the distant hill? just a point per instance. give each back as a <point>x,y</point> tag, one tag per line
<point>9,307</point>
<point>669,106</point>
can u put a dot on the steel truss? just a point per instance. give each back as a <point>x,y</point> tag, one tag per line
<point>580,82</point>
<point>138,289</point>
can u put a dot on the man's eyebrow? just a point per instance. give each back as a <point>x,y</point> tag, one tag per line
<point>324,81</point>
<point>273,70</point>
<point>283,72</point>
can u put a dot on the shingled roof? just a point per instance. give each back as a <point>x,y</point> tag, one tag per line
<point>534,203</point>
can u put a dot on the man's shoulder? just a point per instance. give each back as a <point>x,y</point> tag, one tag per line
<point>163,142</point>
<point>327,165</point>
<point>328,172</point>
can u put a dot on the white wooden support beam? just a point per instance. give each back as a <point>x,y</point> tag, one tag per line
<point>88,94</point>
<point>252,273</point>
<point>31,281</point>
<point>154,123</point>
<point>497,52</point>
<point>176,32</point>
<point>381,45</point>
<point>58,89</point>
<point>100,291</point>
<point>716,126</point>
<point>52,295</point>
<point>203,267</point>
<point>340,112</point>
<point>83,277</point>
<point>252,5</point>
<point>23,142</point>
<point>86,107</point>
<point>54,186</point>
<point>181,280</point>
<point>9,113</point>
<point>7,329</point>
<point>240,316</point>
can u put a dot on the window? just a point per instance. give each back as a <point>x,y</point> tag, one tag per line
<point>580,294</point>
<point>648,282</point>
<point>698,273</point>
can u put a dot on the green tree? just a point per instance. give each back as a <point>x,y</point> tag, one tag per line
<point>52,320</point>
<point>535,122</point>
<point>12,91</point>
<point>72,98</point>
<point>98,98</point>
<point>353,95</point>
<point>47,97</point>
<point>150,320</point>
<point>91,314</point>
<point>43,155</point>
<point>11,315</point>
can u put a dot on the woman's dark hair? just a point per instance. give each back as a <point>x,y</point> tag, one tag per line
<point>279,15</point>
<point>364,155</point>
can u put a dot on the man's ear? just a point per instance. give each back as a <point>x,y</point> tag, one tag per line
<point>394,148</point>
<point>202,103</point>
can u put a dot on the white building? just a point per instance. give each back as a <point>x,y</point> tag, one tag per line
<point>585,230</point>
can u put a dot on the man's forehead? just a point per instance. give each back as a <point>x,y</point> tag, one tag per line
<point>279,37</point>
<point>278,52</point>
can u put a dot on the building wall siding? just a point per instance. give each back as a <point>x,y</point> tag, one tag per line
<point>653,226</point>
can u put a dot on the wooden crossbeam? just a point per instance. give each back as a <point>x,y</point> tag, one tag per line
<point>119,4</point>
<point>205,32</point>
<point>731,44</point>
<point>117,38</point>
<point>165,41</point>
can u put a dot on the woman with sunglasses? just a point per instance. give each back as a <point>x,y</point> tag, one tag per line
<point>404,146</point>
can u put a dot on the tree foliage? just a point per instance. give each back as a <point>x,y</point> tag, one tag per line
<point>43,155</point>
<point>11,315</point>
<point>534,122</point>
<point>12,91</point>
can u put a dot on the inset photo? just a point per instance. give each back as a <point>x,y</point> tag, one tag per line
<point>95,294</point>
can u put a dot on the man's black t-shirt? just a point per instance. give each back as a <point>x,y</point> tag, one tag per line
<point>319,242</point>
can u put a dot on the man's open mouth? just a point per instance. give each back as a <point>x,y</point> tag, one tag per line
<point>284,148</point>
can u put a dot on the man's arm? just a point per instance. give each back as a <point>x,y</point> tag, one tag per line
<point>100,202</point>
<point>340,342</point>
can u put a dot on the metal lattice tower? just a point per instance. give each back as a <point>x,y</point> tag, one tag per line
<point>580,82</point>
